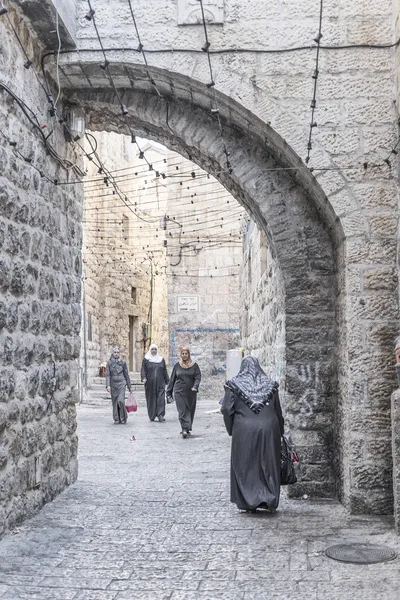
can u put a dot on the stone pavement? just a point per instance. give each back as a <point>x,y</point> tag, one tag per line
<point>151,520</point>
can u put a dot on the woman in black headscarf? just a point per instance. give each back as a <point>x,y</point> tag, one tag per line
<point>117,378</point>
<point>253,417</point>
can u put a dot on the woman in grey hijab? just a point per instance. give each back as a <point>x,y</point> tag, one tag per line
<point>253,417</point>
<point>117,378</point>
<point>184,386</point>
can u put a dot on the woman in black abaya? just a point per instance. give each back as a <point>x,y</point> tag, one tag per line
<point>184,386</point>
<point>253,417</point>
<point>155,377</point>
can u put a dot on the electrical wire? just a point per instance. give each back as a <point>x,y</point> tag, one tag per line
<point>140,49</point>
<point>40,128</point>
<point>58,60</point>
<point>90,16</point>
<point>315,76</point>
<point>214,109</point>
<point>237,50</point>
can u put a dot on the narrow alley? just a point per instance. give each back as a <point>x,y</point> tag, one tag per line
<point>150,519</point>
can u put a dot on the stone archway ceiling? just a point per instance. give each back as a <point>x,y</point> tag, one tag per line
<point>87,83</point>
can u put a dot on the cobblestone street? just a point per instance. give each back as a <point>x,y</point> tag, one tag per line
<point>151,519</point>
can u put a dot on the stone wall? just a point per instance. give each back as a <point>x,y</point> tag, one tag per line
<point>203,276</point>
<point>396,455</point>
<point>262,318</point>
<point>344,215</point>
<point>356,129</point>
<point>124,258</point>
<point>40,269</point>
<point>200,261</point>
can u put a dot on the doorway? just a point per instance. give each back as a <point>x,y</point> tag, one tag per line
<point>132,343</point>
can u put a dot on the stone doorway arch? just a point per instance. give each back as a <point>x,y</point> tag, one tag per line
<point>289,206</point>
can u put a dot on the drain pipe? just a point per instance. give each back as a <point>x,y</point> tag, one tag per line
<point>85,361</point>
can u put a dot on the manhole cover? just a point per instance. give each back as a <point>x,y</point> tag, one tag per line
<point>361,554</point>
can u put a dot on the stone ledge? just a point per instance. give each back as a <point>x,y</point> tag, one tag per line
<point>42,17</point>
<point>396,455</point>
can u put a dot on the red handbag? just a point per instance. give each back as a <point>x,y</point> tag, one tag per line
<point>131,404</point>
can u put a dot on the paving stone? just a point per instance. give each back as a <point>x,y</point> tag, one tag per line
<point>128,548</point>
<point>37,593</point>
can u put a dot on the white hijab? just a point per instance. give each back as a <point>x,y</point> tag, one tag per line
<point>156,358</point>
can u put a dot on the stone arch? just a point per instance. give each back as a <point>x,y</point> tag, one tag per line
<point>288,205</point>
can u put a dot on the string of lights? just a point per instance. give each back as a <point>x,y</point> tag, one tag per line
<point>135,254</point>
<point>141,49</point>
<point>190,230</point>
<point>183,229</point>
<point>95,229</point>
<point>40,128</point>
<point>315,76</point>
<point>189,184</point>
<point>394,151</point>
<point>109,178</point>
<point>102,260</point>
<point>26,159</point>
<point>280,169</point>
<point>90,16</point>
<point>190,198</point>
<point>211,85</point>
<point>57,120</point>
<point>195,218</point>
<point>191,174</point>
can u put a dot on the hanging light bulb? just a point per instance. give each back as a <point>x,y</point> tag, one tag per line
<point>3,9</point>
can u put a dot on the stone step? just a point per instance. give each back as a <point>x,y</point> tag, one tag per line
<point>134,377</point>
<point>98,396</point>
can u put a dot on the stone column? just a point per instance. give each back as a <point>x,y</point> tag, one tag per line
<point>396,455</point>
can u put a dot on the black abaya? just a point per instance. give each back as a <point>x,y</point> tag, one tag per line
<point>256,451</point>
<point>180,385</point>
<point>156,376</point>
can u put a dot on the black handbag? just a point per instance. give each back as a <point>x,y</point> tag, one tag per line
<point>288,458</point>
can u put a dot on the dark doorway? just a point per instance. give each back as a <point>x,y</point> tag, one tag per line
<point>132,342</point>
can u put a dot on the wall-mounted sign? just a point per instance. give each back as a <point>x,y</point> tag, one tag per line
<point>188,303</point>
<point>189,12</point>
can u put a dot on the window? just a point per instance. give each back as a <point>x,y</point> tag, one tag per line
<point>89,327</point>
<point>125,228</point>
<point>133,294</point>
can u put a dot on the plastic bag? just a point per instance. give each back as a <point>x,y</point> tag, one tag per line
<point>131,404</point>
<point>288,458</point>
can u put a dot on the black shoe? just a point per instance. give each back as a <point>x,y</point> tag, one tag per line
<point>184,433</point>
<point>161,419</point>
<point>189,432</point>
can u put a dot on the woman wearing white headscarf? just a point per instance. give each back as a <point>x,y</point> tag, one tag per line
<point>117,378</point>
<point>154,375</point>
<point>253,417</point>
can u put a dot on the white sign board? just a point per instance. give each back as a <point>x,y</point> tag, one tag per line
<point>233,362</point>
<point>189,12</point>
<point>188,303</point>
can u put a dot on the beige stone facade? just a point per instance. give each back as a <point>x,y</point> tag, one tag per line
<point>331,225</point>
<point>161,253</point>
<point>124,257</point>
